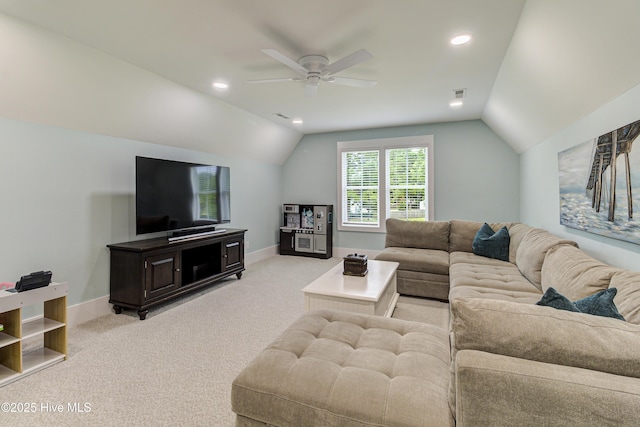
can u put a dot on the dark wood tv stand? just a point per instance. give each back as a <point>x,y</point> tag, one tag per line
<point>145,273</point>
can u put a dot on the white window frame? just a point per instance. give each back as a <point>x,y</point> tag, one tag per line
<point>382,145</point>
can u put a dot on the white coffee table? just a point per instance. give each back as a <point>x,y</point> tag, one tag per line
<point>376,293</point>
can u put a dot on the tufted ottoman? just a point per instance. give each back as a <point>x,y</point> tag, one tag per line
<point>332,368</point>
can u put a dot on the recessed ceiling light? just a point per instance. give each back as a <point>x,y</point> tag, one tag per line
<point>221,85</point>
<point>297,121</point>
<point>456,103</point>
<point>461,39</point>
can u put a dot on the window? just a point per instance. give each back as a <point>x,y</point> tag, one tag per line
<point>384,178</point>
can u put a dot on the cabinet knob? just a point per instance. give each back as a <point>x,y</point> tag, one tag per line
<point>177,269</point>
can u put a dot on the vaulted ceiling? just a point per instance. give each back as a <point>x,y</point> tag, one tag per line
<point>531,68</point>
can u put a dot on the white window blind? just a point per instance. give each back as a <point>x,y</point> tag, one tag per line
<point>360,177</point>
<point>406,193</point>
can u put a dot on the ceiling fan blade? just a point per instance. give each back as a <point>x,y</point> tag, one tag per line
<point>276,80</point>
<point>346,81</point>
<point>285,60</point>
<point>349,61</point>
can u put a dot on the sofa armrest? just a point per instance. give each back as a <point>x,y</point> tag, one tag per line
<point>500,390</point>
<point>545,334</point>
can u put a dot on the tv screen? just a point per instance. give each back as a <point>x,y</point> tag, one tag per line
<point>172,195</point>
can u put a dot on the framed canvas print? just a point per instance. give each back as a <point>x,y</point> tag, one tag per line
<point>600,185</point>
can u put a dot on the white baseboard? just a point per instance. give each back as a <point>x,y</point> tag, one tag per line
<point>343,252</point>
<point>89,310</point>
<point>260,255</point>
<point>337,253</point>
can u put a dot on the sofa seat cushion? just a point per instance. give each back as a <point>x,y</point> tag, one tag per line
<point>627,298</point>
<point>427,285</point>
<point>494,294</point>
<point>421,260</point>
<point>471,258</point>
<point>487,273</point>
<point>573,273</point>
<point>333,368</point>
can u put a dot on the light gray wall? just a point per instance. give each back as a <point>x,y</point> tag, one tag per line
<point>540,200</point>
<point>67,194</point>
<point>476,174</point>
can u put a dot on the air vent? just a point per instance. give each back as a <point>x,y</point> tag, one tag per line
<point>459,93</point>
<point>282,116</point>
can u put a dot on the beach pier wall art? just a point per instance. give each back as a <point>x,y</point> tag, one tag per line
<point>600,185</point>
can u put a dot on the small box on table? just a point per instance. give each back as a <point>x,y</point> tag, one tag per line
<point>355,265</point>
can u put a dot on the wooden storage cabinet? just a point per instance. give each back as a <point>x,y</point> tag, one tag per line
<point>145,273</point>
<point>16,358</point>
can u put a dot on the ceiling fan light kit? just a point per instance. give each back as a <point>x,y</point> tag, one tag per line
<point>316,68</point>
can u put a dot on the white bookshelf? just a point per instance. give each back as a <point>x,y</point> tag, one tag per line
<point>15,359</point>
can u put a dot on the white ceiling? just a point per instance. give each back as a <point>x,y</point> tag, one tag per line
<point>524,77</point>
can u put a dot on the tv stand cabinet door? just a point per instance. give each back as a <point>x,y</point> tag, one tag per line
<point>233,253</point>
<point>162,274</point>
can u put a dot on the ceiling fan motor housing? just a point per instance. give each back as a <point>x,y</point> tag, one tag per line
<point>315,66</point>
<point>314,63</point>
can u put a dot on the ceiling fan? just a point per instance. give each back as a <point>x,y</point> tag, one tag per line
<point>316,68</point>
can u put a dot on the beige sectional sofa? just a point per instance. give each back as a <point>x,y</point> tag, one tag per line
<point>503,361</point>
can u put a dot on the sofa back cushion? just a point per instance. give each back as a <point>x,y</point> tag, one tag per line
<point>516,233</point>
<point>573,273</point>
<point>531,252</point>
<point>628,297</point>
<point>417,234</point>
<point>463,232</point>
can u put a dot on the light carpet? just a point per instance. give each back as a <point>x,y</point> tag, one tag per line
<point>176,367</point>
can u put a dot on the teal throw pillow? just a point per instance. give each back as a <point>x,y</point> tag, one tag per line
<point>491,244</point>
<point>599,304</point>
<point>555,299</point>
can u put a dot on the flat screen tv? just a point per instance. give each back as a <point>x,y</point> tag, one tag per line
<point>178,196</point>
